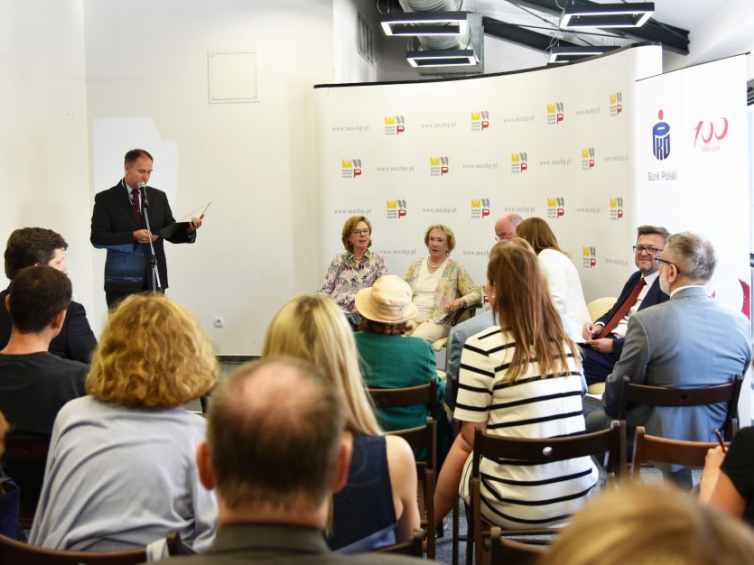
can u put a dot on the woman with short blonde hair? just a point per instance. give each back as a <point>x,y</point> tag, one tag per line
<point>121,470</point>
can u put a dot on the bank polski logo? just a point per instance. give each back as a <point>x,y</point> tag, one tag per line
<point>480,208</point>
<point>519,162</point>
<point>439,166</point>
<point>616,207</point>
<point>589,255</point>
<point>616,104</point>
<point>555,114</point>
<point>661,138</point>
<point>480,120</point>
<point>396,209</point>
<point>395,125</point>
<point>556,207</point>
<point>350,168</point>
<point>587,158</point>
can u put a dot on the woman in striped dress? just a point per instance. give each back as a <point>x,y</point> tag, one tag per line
<point>521,379</point>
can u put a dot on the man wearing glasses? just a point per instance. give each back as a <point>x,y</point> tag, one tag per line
<point>690,341</point>
<point>604,339</point>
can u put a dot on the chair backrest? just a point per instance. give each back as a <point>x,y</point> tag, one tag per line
<point>662,396</point>
<point>510,552</point>
<point>24,461</point>
<point>425,437</point>
<point>14,552</point>
<point>26,448</point>
<point>600,306</point>
<point>411,547</point>
<point>176,546</point>
<point>409,396</point>
<point>663,450</point>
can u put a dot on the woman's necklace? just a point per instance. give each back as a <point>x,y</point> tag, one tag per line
<point>429,262</point>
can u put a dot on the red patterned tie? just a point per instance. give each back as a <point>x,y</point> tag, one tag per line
<point>623,310</point>
<point>135,202</point>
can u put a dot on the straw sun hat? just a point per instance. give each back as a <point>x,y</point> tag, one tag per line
<point>387,302</point>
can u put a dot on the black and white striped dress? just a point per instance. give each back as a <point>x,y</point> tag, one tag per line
<point>516,495</point>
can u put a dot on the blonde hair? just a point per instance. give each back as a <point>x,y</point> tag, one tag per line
<point>349,226</point>
<point>524,305</point>
<point>444,229</point>
<point>152,353</point>
<point>313,328</point>
<point>650,525</point>
<point>3,431</point>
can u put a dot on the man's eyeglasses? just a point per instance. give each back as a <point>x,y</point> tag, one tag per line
<point>666,262</point>
<point>360,232</point>
<point>651,249</point>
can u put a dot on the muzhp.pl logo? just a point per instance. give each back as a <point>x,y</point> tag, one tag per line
<point>587,158</point>
<point>616,208</point>
<point>480,208</point>
<point>350,168</point>
<point>710,132</point>
<point>616,104</point>
<point>438,166</point>
<point>661,138</point>
<point>519,162</point>
<point>480,121</point>
<point>556,207</point>
<point>396,209</point>
<point>395,125</point>
<point>555,114</point>
<point>590,257</point>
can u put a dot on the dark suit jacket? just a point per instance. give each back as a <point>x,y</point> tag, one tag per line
<point>75,341</point>
<point>654,296</point>
<point>113,224</point>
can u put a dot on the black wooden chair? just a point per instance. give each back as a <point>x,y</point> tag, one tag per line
<point>14,552</point>
<point>676,452</point>
<point>24,461</point>
<point>412,547</point>
<point>511,552</point>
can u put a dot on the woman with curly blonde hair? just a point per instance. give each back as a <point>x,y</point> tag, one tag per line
<point>121,469</point>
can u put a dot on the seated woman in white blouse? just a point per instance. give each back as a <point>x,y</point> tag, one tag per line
<point>439,284</point>
<point>565,284</point>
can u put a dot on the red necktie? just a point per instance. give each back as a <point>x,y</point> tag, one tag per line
<point>135,202</point>
<point>623,310</point>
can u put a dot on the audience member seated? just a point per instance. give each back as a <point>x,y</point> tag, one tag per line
<point>728,479</point>
<point>440,286</point>
<point>355,269</point>
<point>35,384</point>
<point>275,453</point>
<point>391,360</point>
<point>519,379</point>
<point>121,470</point>
<point>642,524</point>
<point>563,278</point>
<point>39,246</point>
<point>687,342</point>
<point>377,506</point>
<point>9,495</point>
<point>604,339</point>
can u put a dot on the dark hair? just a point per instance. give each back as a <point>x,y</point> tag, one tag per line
<point>539,235</point>
<point>652,230</point>
<point>31,246</point>
<point>134,154</point>
<point>381,328</point>
<point>278,445</point>
<point>37,294</point>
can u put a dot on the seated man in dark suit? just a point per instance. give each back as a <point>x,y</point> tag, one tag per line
<point>275,453</point>
<point>604,338</point>
<point>35,384</point>
<point>40,246</point>
<point>689,341</point>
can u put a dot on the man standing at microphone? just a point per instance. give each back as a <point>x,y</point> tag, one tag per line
<point>119,223</point>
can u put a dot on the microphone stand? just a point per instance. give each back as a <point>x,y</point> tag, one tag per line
<point>156,284</point>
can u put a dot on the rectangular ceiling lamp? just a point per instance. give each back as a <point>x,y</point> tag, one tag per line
<point>606,15</point>
<point>447,58</point>
<point>425,23</point>
<point>571,54</point>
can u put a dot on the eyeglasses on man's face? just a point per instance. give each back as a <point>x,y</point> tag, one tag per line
<point>661,261</point>
<point>651,249</point>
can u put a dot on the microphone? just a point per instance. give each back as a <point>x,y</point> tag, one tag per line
<point>143,190</point>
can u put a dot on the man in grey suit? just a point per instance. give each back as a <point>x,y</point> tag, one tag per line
<point>275,453</point>
<point>687,342</point>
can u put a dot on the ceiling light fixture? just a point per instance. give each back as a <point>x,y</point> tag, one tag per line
<point>425,23</point>
<point>633,14</point>
<point>444,58</point>
<point>570,54</point>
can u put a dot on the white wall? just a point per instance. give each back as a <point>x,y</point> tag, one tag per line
<point>44,176</point>
<point>254,161</point>
<point>349,65</point>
